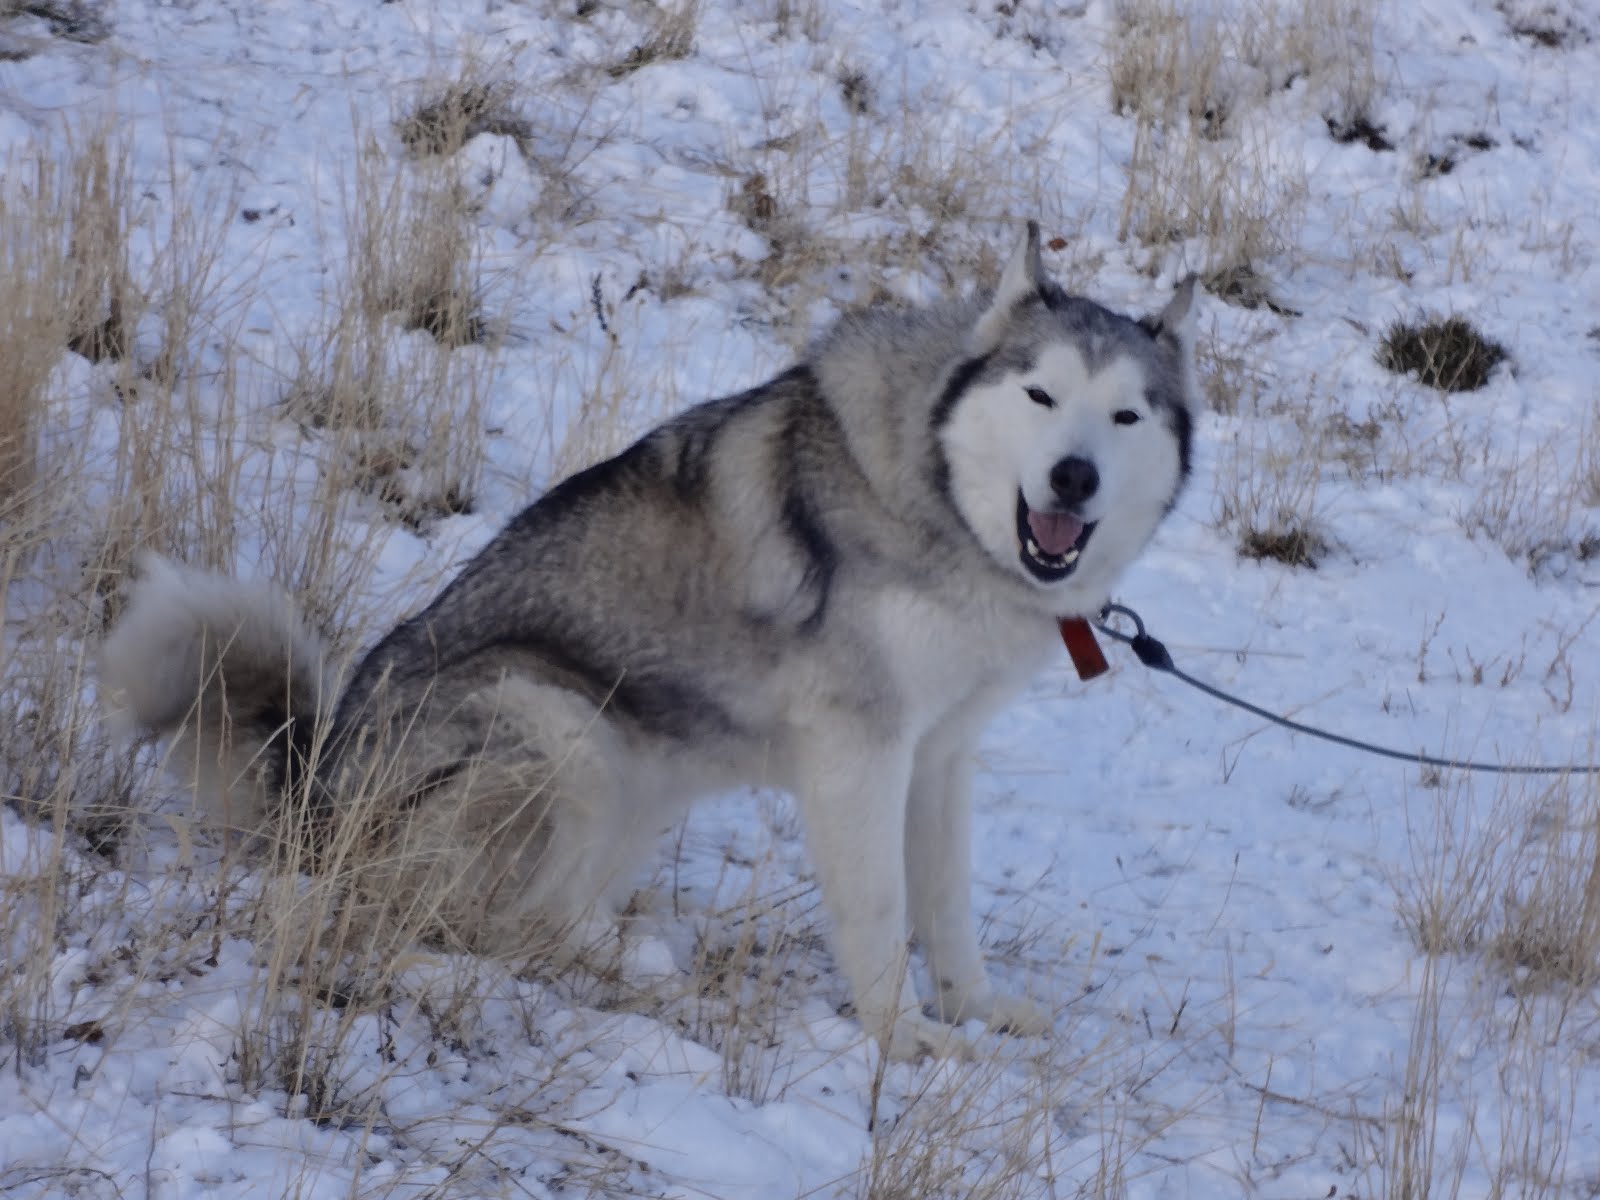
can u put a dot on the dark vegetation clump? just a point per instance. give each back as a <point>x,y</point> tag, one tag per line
<point>451,119</point>
<point>101,341</point>
<point>71,20</point>
<point>452,317</point>
<point>856,89</point>
<point>1442,162</point>
<point>1359,128</point>
<point>1550,34</point>
<point>673,39</point>
<point>1548,23</point>
<point>1240,286</point>
<point>1293,545</point>
<point>1447,354</point>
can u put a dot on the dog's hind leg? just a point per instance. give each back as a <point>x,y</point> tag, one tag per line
<point>522,835</point>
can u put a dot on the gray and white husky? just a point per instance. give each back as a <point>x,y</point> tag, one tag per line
<point>827,584</point>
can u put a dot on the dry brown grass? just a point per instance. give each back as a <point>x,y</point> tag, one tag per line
<point>1169,64</point>
<point>847,217</point>
<point>1587,478</point>
<point>173,467</point>
<point>63,246</point>
<point>1242,207</point>
<point>57,771</point>
<point>797,18</point>
<point>1503,901</point>
<point>55,766</point>
<point>1533,503</point>
<point>481,98</point>
<point>1233,372</point>
<point>390,383</point>
<point>614,408</point>
<point>414,252</point>
<point>755,959</point>
<point>925,1146</point>
<point>102,303</point>
<point>33,324</point>
<point>1516,880</point>
<point>1545,930</point>
<point>1410,1157</point>
<point>171,448</point>
<point>62,548</point>
<point>338,952</point>
<point>1198,88</point>
<point>1268,489</point>
<point>671,36</point>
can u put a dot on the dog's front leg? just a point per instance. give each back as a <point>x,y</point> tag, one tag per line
<point>853,802</point>
<point>939,884</point>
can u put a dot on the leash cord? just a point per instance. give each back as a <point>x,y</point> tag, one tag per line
<point>1155,656</point>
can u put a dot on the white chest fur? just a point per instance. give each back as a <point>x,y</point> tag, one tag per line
<point>944,656</point>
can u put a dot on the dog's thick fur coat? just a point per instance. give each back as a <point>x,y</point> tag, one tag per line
<point>827,584</point>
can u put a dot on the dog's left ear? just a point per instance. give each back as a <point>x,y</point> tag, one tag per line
<point>1022,279</point>
<point>1175,322</point>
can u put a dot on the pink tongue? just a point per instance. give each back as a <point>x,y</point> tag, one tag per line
<point>1055,532</point>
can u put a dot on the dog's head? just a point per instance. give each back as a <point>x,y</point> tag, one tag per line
<point>1065,430</point>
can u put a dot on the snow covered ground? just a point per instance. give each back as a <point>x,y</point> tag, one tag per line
<point>1278,967</point>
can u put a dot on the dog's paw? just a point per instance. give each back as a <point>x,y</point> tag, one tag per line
<point>1019,1016</point>
<point>916,1037</point>
<point>999,1012</point>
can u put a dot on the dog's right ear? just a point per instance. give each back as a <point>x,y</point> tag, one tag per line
<point>1023,278</point>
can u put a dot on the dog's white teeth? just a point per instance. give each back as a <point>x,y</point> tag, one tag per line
<point>1049,560</point>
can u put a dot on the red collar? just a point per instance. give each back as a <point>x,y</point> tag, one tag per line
<point>1085,651</point>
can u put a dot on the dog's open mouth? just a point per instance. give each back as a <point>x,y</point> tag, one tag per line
<point>1051,541</point>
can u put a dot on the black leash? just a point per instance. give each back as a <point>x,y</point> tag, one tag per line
<point>1154,655</point>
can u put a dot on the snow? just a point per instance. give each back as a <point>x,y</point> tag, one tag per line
<point>1213,909</point>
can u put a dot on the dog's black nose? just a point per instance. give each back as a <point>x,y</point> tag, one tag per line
<point>1074,479</point>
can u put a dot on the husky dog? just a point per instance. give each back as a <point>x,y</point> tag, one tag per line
<point>827,584</point>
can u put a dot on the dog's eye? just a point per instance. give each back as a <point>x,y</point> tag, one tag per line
<point>1125,416</point>
<point>1040,396</point>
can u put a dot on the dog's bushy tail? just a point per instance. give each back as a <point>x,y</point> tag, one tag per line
<point>230,672</point>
